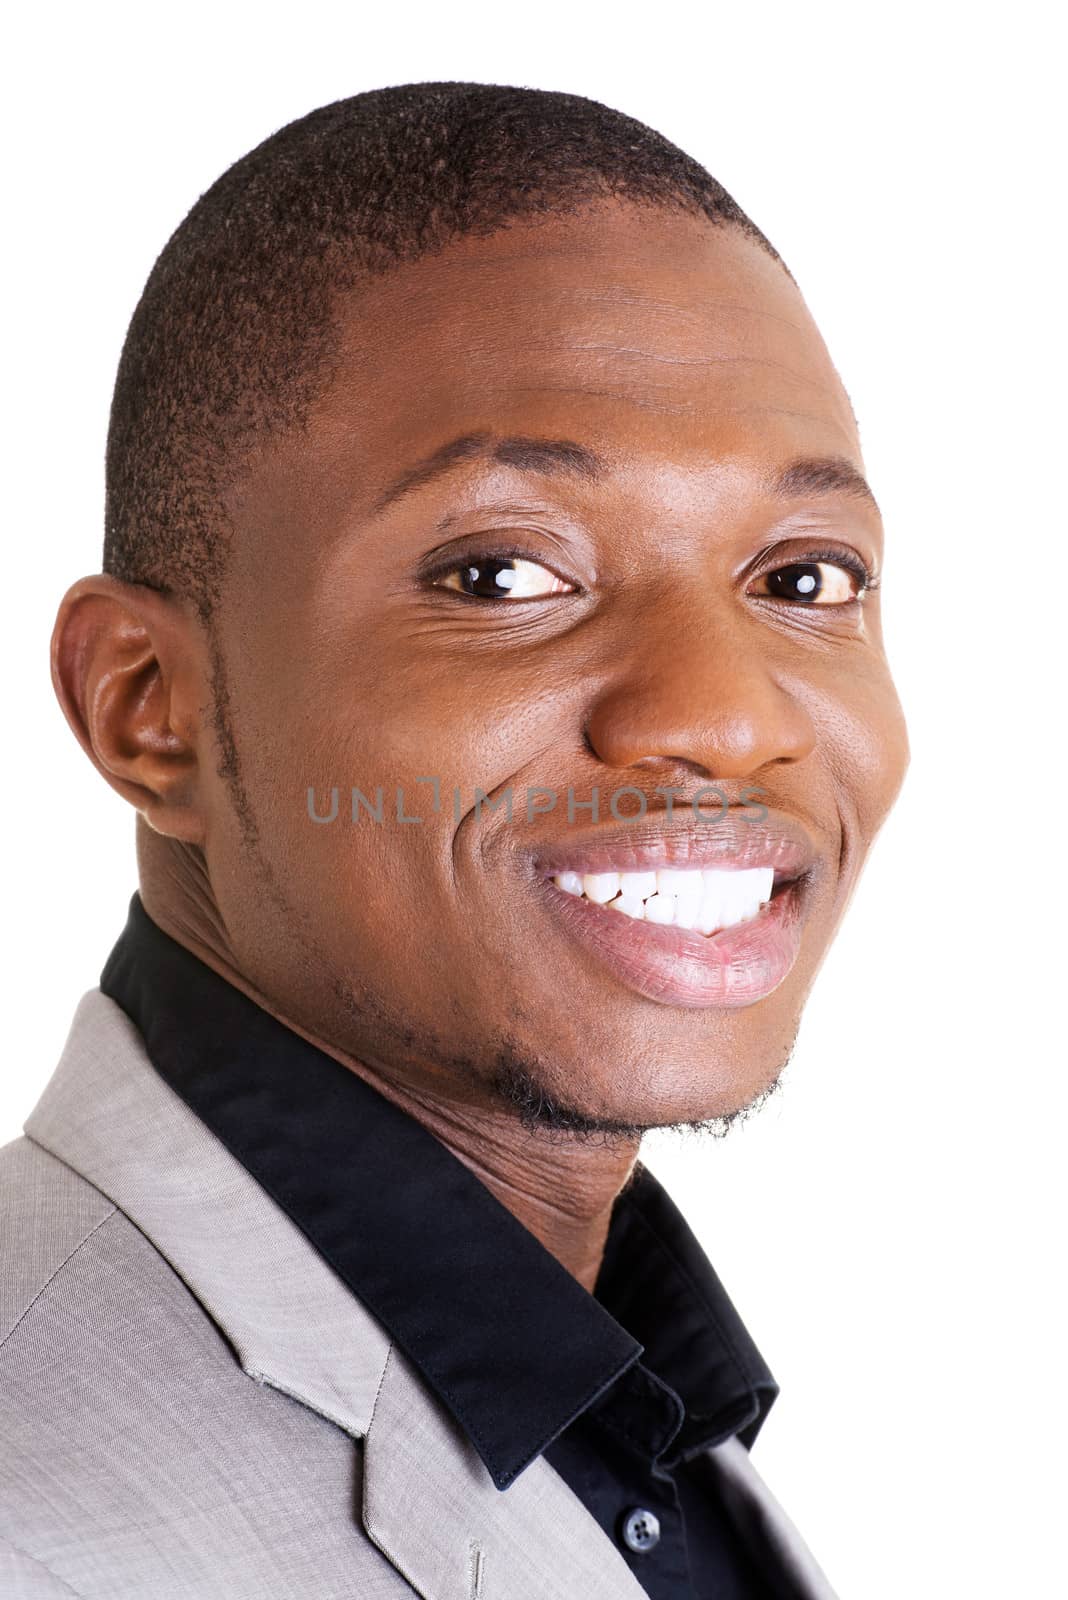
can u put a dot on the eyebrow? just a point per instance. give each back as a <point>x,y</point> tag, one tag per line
<point>823,475</point>
<point>805,476</point>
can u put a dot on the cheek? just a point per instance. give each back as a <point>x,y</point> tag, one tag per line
<point>431,714</point>
<point>867,741</point>
<point>405,720</point>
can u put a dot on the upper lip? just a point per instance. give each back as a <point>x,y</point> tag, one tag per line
<point>731,840</point>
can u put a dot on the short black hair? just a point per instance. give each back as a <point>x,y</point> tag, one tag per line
<point>233,335</point>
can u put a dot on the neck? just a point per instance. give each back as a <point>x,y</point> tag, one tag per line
<point>562,1189</point>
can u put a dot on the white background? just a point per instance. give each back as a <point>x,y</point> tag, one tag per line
<point>889,1226</point>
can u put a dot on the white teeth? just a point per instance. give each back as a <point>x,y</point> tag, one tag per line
<point>642,884</point>
<point>688,897</point>
<point>744,893</point>
<point>707,899</point>
<point>713,902</point>
<point>672,880</point>
<point>660,908</point>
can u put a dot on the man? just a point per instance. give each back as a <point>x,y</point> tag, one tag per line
<point>488,644</point>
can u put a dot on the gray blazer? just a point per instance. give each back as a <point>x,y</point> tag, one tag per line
<point>194,1407</point>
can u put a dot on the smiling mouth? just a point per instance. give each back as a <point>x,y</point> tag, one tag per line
<point>685,915</point>
<point>701,900</point>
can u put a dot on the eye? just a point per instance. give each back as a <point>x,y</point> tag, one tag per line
<point>503,578</point>
<point>827,579</point>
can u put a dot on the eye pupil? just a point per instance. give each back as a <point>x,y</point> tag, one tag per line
<point>489,579</point>
<point>802,581</point>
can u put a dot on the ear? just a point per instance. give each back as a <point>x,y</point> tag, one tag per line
<point>128,668</point>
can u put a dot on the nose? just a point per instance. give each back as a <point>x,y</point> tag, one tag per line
<point>690,695</point>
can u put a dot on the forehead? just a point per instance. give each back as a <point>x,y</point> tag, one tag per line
<point>678,351</point>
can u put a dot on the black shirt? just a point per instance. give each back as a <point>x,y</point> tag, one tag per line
<point>620,1390</point>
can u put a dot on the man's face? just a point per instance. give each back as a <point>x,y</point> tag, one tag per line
<point>643,649</point>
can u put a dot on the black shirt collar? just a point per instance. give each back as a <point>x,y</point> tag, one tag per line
<point>511,1343</point>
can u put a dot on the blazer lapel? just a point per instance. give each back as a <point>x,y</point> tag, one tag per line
<point>108,1114</point>
<point>429,1503</point>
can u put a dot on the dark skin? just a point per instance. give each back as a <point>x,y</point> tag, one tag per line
<point>423,956</point>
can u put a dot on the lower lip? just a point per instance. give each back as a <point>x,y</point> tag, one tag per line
<point>676,967</point>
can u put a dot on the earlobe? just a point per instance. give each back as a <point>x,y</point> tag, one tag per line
<point>124,669</point>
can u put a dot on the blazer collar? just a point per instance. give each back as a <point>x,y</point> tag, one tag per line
<point>429,1502</point>
<point>108,1114</point>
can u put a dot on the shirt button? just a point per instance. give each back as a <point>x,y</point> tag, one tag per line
<point>641,1530</point>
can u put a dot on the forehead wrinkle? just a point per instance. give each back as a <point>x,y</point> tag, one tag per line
<point>691,361</point>
<point>781,411</point>
<point>630,297</point>
<point>599,394</point>
<point>685,408</point>
<point>695,308</point>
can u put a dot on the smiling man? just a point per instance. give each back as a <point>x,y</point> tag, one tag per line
<point>488,643</point>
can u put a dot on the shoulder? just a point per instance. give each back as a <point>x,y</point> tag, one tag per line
<point>136,1455</point>
<point>80,1283</point>
<point>47,1213</point>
